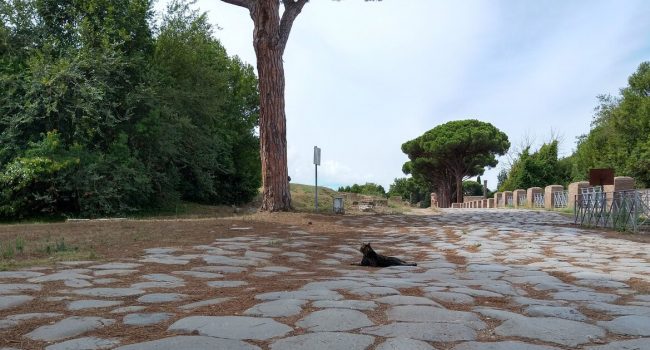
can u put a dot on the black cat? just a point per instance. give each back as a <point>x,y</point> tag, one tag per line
<point>371,258</point>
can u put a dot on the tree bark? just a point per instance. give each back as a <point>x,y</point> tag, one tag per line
<point>273,128</point>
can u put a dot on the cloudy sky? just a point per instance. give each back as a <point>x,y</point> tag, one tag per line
<point>363,78</point>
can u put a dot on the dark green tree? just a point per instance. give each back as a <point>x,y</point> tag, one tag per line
<point>538,169</point>
<point>451,152</point>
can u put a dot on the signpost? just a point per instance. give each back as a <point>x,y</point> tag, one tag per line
<point>316,164</point>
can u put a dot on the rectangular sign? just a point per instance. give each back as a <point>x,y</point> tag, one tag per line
<point>316,155</point>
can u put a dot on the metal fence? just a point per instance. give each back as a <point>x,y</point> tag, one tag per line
<point>538,200</point>
<point>509,202</point>
<point>521,201</point>
<point>560,199</point>
<point>622,211</point>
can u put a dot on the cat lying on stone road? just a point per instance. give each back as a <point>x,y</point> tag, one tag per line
<point>372,258</point>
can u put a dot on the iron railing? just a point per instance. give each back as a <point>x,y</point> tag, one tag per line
<point>622,211</point>
<point>560,199</point>
<point>538,200</point>
<point>509,202</point>
<point>521,201</point>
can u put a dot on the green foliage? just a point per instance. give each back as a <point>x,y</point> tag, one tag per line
<point>472,188</point>
<point>410,190</point>
<point>448,153</point>
<point>369,188</point>
<point>99,117</point>
<point>538,169</point>
<point>619,135</point>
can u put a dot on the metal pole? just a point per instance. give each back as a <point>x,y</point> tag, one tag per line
<point>316,192</point>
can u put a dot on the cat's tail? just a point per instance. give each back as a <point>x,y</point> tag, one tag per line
<point>411,264</point>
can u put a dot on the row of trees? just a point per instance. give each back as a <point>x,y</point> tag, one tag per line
<point>619,139</point>
<point>102,112</point>
<point>369,188</point>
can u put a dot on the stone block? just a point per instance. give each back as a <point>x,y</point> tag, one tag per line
<point>530,195</point>
<point>515,198</point>
<point>548,195</point>
<point>574,190</point>
<point>490,202</point>
<point>498,200</point>
<point>507,198</point>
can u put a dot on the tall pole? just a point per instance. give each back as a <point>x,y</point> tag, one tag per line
<point>316,164</point>
<point>316,192</point>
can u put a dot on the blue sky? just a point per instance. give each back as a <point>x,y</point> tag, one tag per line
<point>363,78</point>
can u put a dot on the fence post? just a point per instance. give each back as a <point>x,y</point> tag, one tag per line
<point>549,201</point>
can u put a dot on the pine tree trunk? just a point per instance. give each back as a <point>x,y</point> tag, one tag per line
<point>273,128</point>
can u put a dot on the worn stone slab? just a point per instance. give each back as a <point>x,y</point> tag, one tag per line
<point>191,342</point>
<point>324,341</point>
<point>585,296</point>
<point>20,274</point>
<point>406,300</point>
<point>550,329</point>
<point>198,274</point>
<point>86,343</point>
<point>316,294</point>
<point>145,319</point>
<point>277,308</point>
<point>227,284</point>
<point>60,276</point>
<point>108,292</point>
<point>91,304</point>
<point>220,269</point>
<point>628,325</point>
<point>502,345</point>
<point>633,344</point>
<point>33,315</point>
<point>162,277</point>
<point>374,291</point>
<point>116,266</point>
<point>11,301</point>
<point>69,327</point>
<point>345,304</point>
<point>335,284</point>
<point>404,343</point>
<point>161,298</point>
<point>127,309</point>
<point>101,273</point>
<point>203,303</point>
<point>11,288</point>
<point>232,327</point>
<point>448,297</point>
<point>438,332</point>
<point>333,320</point>
<point>565,312</point>
<point>429,314</point>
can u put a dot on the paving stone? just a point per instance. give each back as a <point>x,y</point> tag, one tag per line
<point>335,284</point>
<point>404,343</point>
<point>127,309</point>
<point>633,344</point>
<point>20,274</point>
<point>585,295</point>
<point>619,310</point>
<point>438,332</point>
<point>162,277</point>
<point>60,276</point>
<point>69,327</point>
<point>108,292</point>
<point>165,260</point>
<point>76,283</point>
<point>455,298</point>
<point>100,273</point>
<point>203,303</point>
<point>105,280</point>
<point>231,327</point>
<point>277,308</point>
<point>11,288</point>
<point>628,325</point>
<point>476,292</point>
<point>161,298</point>
<point>198,274</point>
<point>226,284</point>
<point>33,315</point>
<point>86,343</point>
<point>225,260</point>
<point>116,266</point>
<point>91,304</point>
<point>145,319</point>
<point>550,329</point>
<point>316,294</point>
<point>345,304</point>
<point>502,345</point>
<point>333,320</point>
<point>324,341</point>
<point>160,250</point>
<point>406,300</point>
<point>374,291</point>
<point>429,314</point>
<point>567,313</point>
<point>191,342</point>
<point>11,301</point>
<point>220,269</point>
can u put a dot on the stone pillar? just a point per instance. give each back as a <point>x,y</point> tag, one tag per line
<point>621,183</point>
<point>480,204</point>
<point>574,190</point>
<point>490,202</point>
<point>498,200</point>
<point>506,194</point>
<point>515,197</point>
<point>530,195</point>
<point>434,200</point>
<point>485,203</point>
<point>548,195</point>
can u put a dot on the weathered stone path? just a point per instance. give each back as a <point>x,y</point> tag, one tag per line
<point>486,279</point>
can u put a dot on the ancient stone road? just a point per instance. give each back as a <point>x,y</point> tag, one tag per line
<point>486,279</point>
